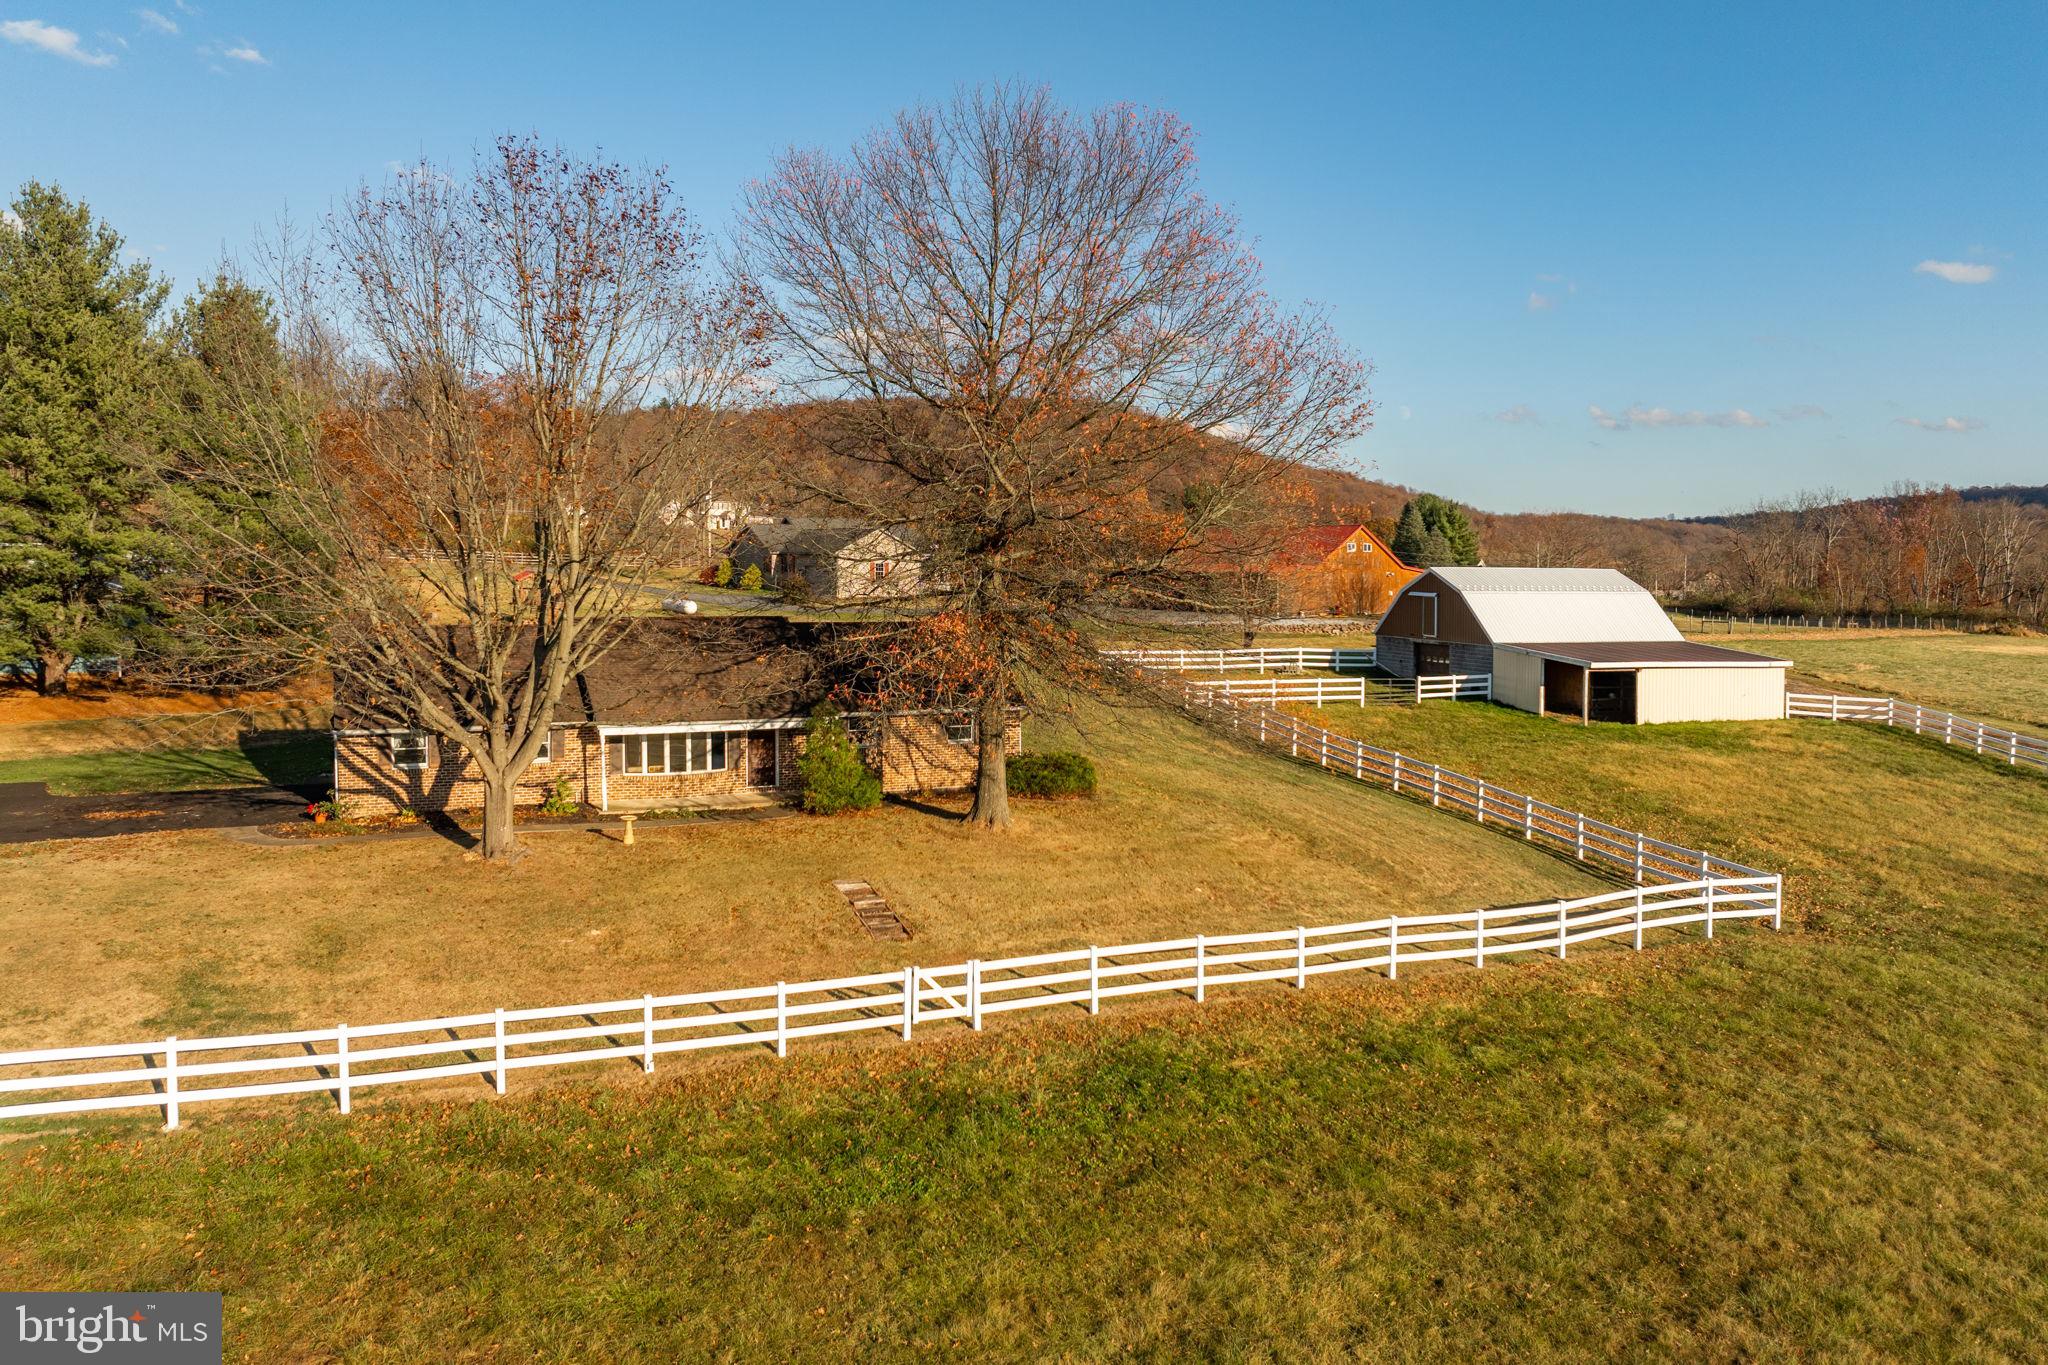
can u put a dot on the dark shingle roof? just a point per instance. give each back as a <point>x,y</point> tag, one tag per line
<point>675,669</point>
<point>1609,653</point>
<point>817,535</point>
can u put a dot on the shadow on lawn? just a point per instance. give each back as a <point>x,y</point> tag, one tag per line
<point>301,763</point>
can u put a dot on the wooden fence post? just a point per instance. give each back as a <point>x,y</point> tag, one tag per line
<point>498,1040</point>
<point>1528,817</point>
<point>909,1000</point>
<point>647,1034</point>
<point>782,1019</point>
<point>1777,902</point>
<point>1639,919</point>
<point>1397,774</point>
<point>341,1063</point>
<point>170,1082</point>
<point>1201,968</point>
<point>1479,941</point>
<point>1639,858</point>
<point>1560,931</point>
<point>974,993</point>
<point>1436,785</point>
<point>1094,979</point>
<point>1301,957</point>
<point>1393,947</point>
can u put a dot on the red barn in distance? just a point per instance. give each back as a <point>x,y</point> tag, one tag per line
<point>1341,570</point>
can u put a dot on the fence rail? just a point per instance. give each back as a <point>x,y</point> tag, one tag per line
<point>1454,686</point>
<point>2014,747</point>
<point>1226,660</point>
<point>172,1073</point>
<point>1314,691</point>
<point>1643,859</point>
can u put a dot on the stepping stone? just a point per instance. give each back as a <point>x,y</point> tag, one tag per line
<point>873,911</point>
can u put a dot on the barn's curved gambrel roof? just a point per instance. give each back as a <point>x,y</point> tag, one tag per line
<point>1542,606</point>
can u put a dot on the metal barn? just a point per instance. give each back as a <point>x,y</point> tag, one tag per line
<point>1585,642</point>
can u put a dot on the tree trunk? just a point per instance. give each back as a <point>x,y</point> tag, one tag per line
<point>501,844</point>
<point>991,808</point>
<point>53,671</point>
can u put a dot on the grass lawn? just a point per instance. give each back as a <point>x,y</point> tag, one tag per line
<point>1999,678</point>
<point>1821,1143</point>
<point>277,759</point>
<point>194,933</point>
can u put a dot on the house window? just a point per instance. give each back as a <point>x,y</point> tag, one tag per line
<point>881,569</point>
<point>409,751</point>
<point>546,752</point>
<point>656,755</point>
<point>1425,606</point>
<point>1350,547</point>
<point>960,729</point>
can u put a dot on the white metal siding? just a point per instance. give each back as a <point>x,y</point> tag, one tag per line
<point>1667,694</point>
<point>1518,679</point>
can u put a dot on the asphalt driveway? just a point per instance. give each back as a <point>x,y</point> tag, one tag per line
<point>28,812</point>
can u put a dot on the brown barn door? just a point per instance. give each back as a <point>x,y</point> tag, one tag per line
<point>762,768</point>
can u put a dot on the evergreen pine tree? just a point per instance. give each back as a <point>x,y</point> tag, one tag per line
<point>833,776</point>
<point>75,359</point>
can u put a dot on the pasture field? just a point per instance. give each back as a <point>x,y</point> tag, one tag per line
<point>1998,678</point>
<point>1819,1143</point>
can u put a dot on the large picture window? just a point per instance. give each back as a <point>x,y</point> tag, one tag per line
<point>655,755</point>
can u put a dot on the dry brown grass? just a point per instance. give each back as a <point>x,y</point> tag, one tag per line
<point>195,933</point>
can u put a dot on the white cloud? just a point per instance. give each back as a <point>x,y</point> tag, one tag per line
<point>1958,272</point>
<point>1639,416</point>
<point>1540,303</point>
<point>245,53</point>
<point>58,42</point>
<point>151,19</point>
<point>1949,425</point>
<point>1800,412</point>
<point>1519,415</point>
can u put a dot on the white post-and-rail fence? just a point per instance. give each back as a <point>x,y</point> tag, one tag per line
<point>1454,686</point>
<point>171,1073</point>
<point>1353,691</point>
<point>1673,887</point>
<point>1950,728</point>
<point>1226,660</point>
<point>1643,859</point>
<point>1312,691</point>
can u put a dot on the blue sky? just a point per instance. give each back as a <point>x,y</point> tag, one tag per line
<point>1619,259</point>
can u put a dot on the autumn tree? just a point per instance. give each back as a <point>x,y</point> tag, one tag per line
<point>512,377</point>
<point>77,551</point>
<point>1032,328</point>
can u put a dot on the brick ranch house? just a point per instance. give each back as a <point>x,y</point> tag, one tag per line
<point>680,712</point>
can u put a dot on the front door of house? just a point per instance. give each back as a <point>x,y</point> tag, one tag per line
<point>762,766</point>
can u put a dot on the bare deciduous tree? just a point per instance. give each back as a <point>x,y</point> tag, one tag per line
<point>1033,328</point>
<point>510,381</point>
